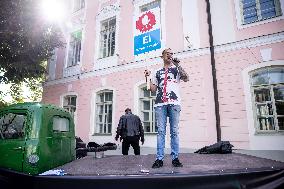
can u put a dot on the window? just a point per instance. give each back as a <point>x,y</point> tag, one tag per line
<point>60,124</point>
<point>74,48</point>
<point>78,5</point>
<point>69,103</point>
<point>107,38</point>
<point>12,126</point>
<point>151,5</point>
<point>257,10</point>
<point>147,101</point>
<point>268,94</point>
<point>104,112</point>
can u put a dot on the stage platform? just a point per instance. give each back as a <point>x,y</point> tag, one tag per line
<point>199,171</point>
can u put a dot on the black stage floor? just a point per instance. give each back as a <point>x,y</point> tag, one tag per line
<point>208,171</point>
<point>193,164</point>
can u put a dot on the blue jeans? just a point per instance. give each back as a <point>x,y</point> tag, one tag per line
<point>162,112</point>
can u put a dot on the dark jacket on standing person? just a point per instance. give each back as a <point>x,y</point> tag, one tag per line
<point>130,125</point>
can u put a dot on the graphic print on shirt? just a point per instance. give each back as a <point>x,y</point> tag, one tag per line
<point>167,83</point>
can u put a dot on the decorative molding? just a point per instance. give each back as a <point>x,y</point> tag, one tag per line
<point>266,54</point>
<point>108,12</point>
<point>141,2</point>
<point>106,62</point>
<point>253,42</point>
<point>71,71</point>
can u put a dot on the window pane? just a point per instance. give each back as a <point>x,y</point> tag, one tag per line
<point>100,118</point>
<point>60,124</point>
<point>153,94</point>
<point>266,123</point>
<point>109,128</point>
<point>264,109</point>
<point>262,95</point>
<point>73,101</point>
<point>100,109</point>
<point>74,48</point>
<point>267,8</point>
<point>12,126</point>
<point>150,6</point>
<point>279,99</point>
<point>146,92</point>
<point>276,75</point>
<point>260,78</point>
<point>109,114</point>
<point>146,126</point>
<point>101,97</point>
<point>279,93</point>
<point>146,116</point>
<point>108,96</point>
<point>281,123</point>
<point>146,105</point>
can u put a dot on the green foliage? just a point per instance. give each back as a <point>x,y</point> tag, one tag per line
<point>2,102</point>
<point>26,41</point>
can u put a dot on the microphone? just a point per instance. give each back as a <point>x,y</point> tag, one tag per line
<point>176,60</point>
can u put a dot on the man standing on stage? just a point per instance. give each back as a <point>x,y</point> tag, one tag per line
<point>166,82</point>
<point>130,130</point>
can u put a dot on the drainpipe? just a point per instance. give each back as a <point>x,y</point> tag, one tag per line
<point>217,113</point>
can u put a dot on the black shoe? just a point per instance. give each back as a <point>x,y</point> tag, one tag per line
<point>157,164</point>
<point>177,163</point>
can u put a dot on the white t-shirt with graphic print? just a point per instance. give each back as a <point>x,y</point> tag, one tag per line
<point>167,82</point>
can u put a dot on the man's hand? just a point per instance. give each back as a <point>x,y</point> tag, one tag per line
<point>116,137</point>
<point>142,141</point>
<point>147,73</point>
<point>176,62</point>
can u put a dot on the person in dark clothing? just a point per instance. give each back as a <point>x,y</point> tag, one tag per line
<point>130,130</point>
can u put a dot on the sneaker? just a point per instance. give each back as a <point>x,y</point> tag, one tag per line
<point>157,164</point>
<point>177,163</point>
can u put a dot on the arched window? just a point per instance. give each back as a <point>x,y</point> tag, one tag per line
<point>267,86</point>
<point>146,107</point>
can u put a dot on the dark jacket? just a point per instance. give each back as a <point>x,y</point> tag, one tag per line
<point>130,125</point>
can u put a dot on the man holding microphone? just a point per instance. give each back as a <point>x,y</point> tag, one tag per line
<point>166,82</point>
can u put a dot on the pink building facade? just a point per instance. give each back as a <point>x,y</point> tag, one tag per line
<point>98,75</point>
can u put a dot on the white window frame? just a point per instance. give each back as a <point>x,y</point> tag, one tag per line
<point>70,107</point>
<point>239,16</point>
<point>52,65</point>
<point>81,3</point>
<point>104,130</point>
<point>151,112</point>
<point>76,69</point>
<point>76,54</point>
<point>266,105</point>
<point>62,104</point>
<point>108,42</point>
<point>264,141</point>
<point>106,13</point>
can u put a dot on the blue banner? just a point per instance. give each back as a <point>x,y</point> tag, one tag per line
<point>147,42</point>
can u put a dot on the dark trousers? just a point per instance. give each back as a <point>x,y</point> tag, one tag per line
<point>134,142</point>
